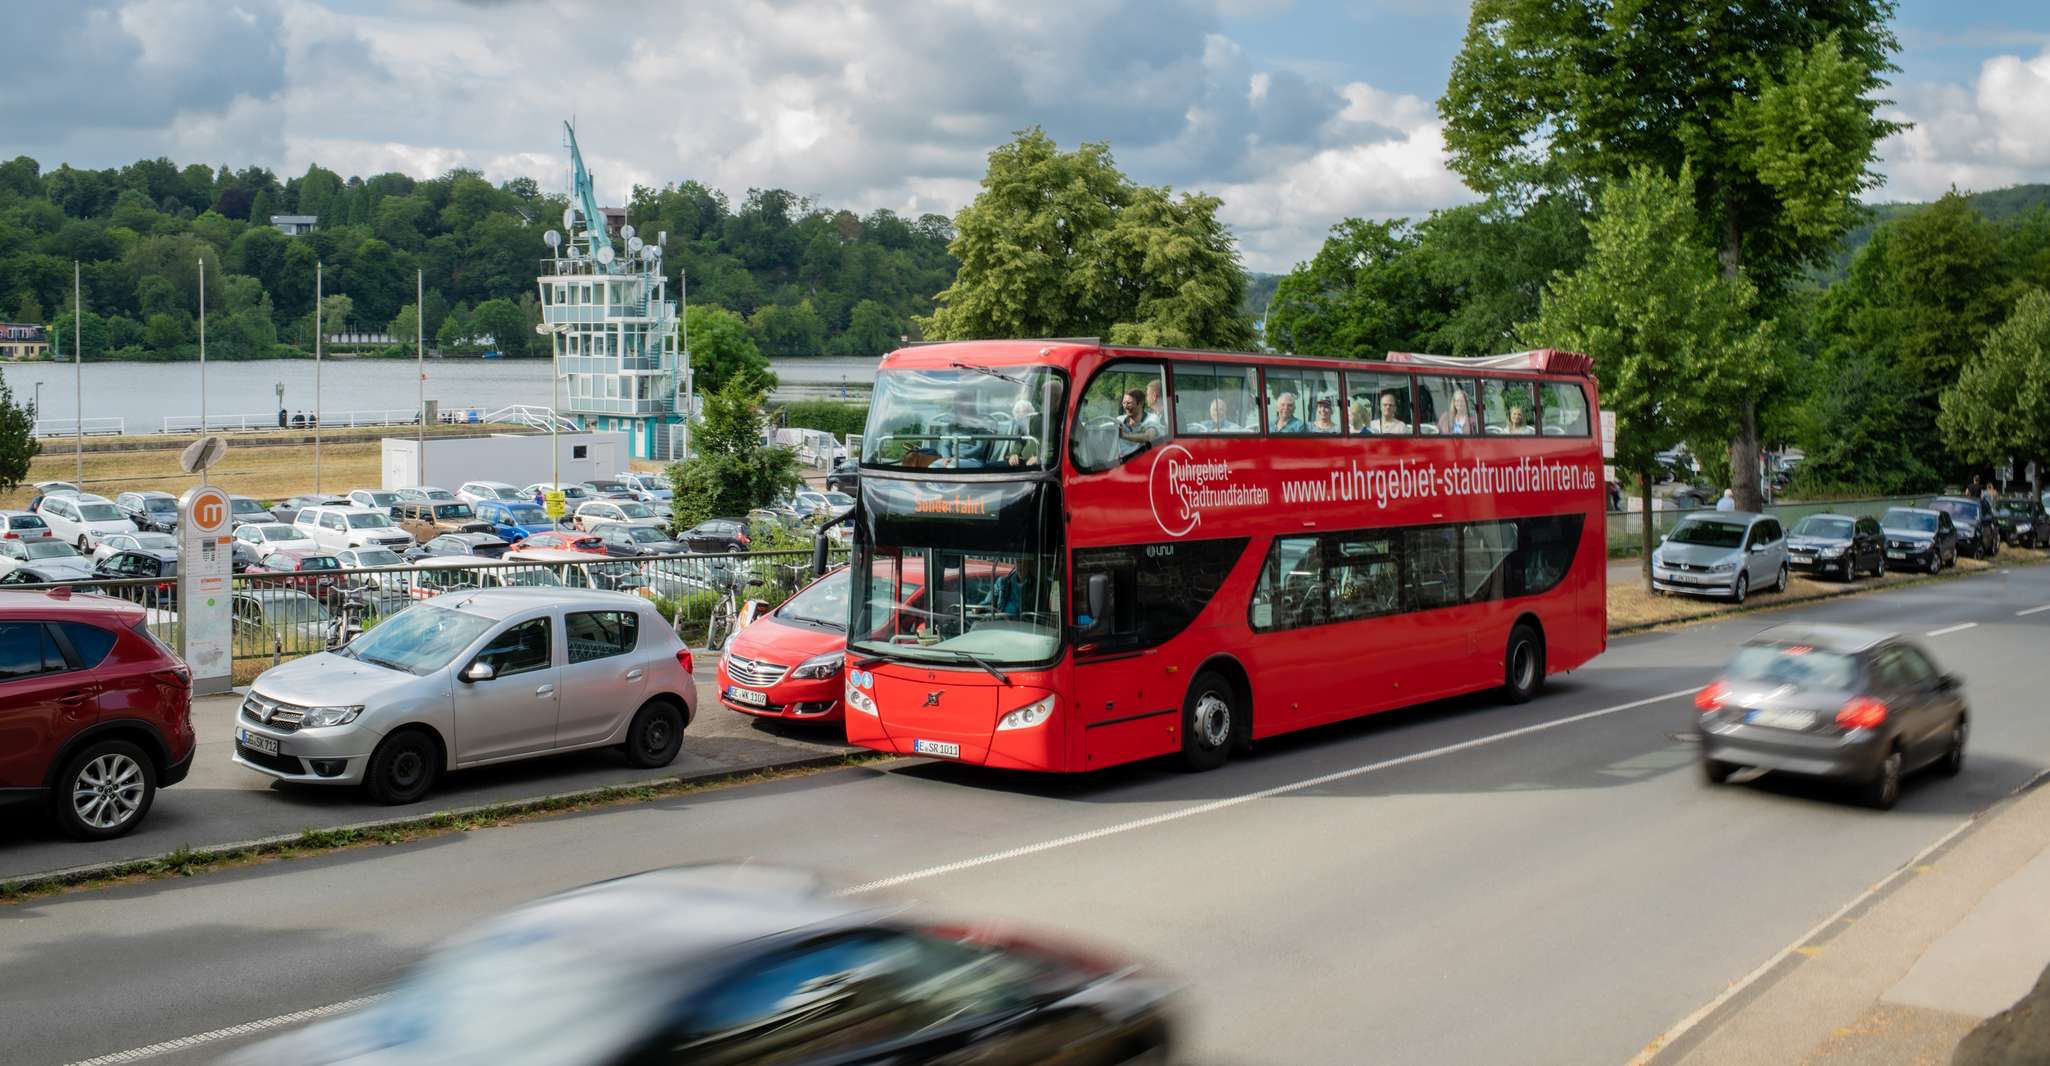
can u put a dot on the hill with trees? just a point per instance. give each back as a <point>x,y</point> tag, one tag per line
<point>805,278</point>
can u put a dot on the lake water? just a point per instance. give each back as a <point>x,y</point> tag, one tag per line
<point>143,394</point>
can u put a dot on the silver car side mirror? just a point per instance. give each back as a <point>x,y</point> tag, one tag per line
<point>479,671</point>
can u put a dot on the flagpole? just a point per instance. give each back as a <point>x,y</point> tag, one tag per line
<point>420,348</point>
<point>202,358</point>
<point>316,377</point>
<point>78,370</point>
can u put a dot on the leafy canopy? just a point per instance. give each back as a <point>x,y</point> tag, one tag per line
<point>730,470</point>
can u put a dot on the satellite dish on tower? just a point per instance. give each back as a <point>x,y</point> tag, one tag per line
<point>604,254</point>
<point>627,232</point>
<point>569,218</point>
<point>202,453</point>
<point>552,239</point>
<point>633,243</point>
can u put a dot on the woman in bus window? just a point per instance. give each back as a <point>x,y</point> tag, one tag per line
<point>1359,415</point>
<point>1518,426</point>
<point>1325,422</point>
<point>1458,416</point>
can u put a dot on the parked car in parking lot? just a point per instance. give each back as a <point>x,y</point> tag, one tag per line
<point>311,572</point>
<point>22,525</point>
<point>97,712</point>
<point>336,528</point>
<point>81,519</point>
<point>572,495</point>
<point>650,488</point>
<point>463,681</point>
<point>608,489</point>
<point>455,573</point>
<point>45,559</point>
<point>287,510</point>
<point>1721,553</point>
<point>141,565</point>
<point>582,570</point>
<point>243,510</point>
<point>716,535</point>
<point>263,538</point>
<point>397,582</point>
<point>630,541</point>
<point>818,506</point>
<point>511,521</point>
<point>2023,522</point>
<point>1918,538</point>
<point>427,520</point>
<point>382,499</point>
<point>476,492</point>
<point>1978,535</point>
<point>473,545</point>
<point>161,545</point>
<point>1839,702</point>
<point>427,493</point>
<point>150,511</point>
<point>592,513</point>
<point>745,965</point>
<point>1837,544</point>
<point>845,475</point>
<point>272,619</point>
<point>563,540</point>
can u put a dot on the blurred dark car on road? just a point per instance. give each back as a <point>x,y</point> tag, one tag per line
<point>730,965</point>
<point>1839,702</point>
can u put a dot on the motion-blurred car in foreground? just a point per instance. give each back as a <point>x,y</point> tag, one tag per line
<point>738,965</point>
<point>1838,702</point>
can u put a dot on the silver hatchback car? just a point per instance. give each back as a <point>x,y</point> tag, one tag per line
<point>472,678</point>
<point>1723,553</point>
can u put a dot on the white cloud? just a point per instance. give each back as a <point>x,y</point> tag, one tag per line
<point>1984,136</point>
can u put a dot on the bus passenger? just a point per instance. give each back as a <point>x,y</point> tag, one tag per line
<point>1458,418</point>
<point>1155,413</point>
<point>1325,422</point>
<point>1219,421</point>
<point>1359,414</point>
<point>1136,428</point>
<point>1025,452</point>
<point>1517,426</point>
<point>1388,422</point>
<point>965,442</point>
<point>1285,420</point>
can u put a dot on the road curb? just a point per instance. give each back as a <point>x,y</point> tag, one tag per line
<point>264,845</point>
<point>1813,597</point>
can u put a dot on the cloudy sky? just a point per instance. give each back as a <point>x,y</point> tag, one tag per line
<point>1296,112</point>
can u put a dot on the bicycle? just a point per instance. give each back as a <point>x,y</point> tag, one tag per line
<point>726,611</point>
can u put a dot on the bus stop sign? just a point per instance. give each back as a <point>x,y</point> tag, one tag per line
<point>554,503</point>
<point>204,594</point>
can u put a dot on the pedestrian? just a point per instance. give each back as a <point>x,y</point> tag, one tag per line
<point>281,418</point>
<point>1728,502</point>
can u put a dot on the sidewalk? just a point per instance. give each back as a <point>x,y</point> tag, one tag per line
<point>1905,977</point>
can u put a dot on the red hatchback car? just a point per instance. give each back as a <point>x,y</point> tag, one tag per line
<point>95,713</point>
<point>787,663</point>
<point>563,540</point>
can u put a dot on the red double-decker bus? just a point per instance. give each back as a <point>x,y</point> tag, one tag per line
<point>1130,552</point>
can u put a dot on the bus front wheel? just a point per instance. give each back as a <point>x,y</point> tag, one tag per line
<point>1212,722</point>
<point>1523,664</point>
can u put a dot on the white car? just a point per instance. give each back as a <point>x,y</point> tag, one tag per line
<point>476,492</point>
<point>461,573</point>
<point>80,520</point>
<point>21,525</point>
<point>263,538</point>
<point>582,570</point>
<point>336,528</point>
<point>378,498</point>
<point>161,545</point>
<point>481,678</point>
<point>397,582</point>
<point>427,493</point>
<point>594,513</point>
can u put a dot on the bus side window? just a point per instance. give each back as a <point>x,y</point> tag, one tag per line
<point>1508,407</point>
<point>1292,592</point>
<point>1431,578</point>
<point>1123,412</point>
<point>1565,409</point>
<point>1214,399</point>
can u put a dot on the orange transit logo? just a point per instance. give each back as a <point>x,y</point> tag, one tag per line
<point>958,504</point>
<point>210,510</point>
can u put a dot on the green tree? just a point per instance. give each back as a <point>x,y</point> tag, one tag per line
<point>404,326</point>
<point>1670,335</point>
<point>1064,244</point>
<point>780,329</point>
<point>28,309</point>
<point>91,341</point>
<point>1999,409</point>
<point>1772,103</point>
<point>166,331</point>
<point>502,321</point>
<point>832,416</point>
<point>721,350</point>
<point>1368,291</point>
<point>18,443</point>
<point>454,334</point>
<point>730,471</point>
<point>871,331</point>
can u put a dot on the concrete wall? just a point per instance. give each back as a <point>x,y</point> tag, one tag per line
<point>520,459</point>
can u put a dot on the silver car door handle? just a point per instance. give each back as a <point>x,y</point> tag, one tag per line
<point>634,674</point>
<point>545,690</point>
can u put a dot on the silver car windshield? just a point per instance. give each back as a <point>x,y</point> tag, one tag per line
<point>419,640</point>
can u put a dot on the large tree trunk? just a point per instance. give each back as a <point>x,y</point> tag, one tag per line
<point>1647,543</point>
<point>1744,444</point>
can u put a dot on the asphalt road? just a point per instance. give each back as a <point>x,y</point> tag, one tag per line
<point>1460,883</point>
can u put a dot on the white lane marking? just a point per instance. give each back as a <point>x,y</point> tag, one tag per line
<point>1947,630</point>
<point>934,871</point>
<point>1680,1029</point>
<point>2032,610</point>
<point>246,1028</point>
<point>1234,801</point>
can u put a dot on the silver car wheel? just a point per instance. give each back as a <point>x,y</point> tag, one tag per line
<point>108,792</point>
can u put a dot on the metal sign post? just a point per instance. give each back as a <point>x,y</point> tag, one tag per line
<point>205,598</point>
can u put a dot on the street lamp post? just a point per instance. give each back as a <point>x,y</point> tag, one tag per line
<point>420,358</point>
<point>78,371</point>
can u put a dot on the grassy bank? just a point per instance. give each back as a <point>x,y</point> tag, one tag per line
<point>1632,608</point>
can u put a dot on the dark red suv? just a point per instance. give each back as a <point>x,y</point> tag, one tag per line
<point>95,713</point>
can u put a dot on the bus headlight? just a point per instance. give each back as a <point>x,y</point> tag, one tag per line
<point>859,700</point>
<point>819,667</point>
<point>1028,716</point>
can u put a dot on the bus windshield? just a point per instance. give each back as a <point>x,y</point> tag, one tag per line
<point>1002,608</point>
<point>964,418</point>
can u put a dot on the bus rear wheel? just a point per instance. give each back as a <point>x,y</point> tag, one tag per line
<point>1212,722</point>
<point>1523,664</point>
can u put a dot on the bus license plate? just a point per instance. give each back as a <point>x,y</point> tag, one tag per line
<point>266,745</point>
<point>936,747</point>
<point>747,696</point>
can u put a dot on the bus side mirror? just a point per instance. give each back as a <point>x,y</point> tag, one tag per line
<point>1097,596</point>
<point>819,549</point>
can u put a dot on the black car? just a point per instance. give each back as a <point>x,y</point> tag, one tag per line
<point>625,540</point>
<point>1839,702</point>
<point>242,511</point>
<point>1978,535</point>
<point>474,545</point>
<point>139,565</point>
<point>2023,522</point>
<point>287,510</point>
<point>716,535</point>
<point>1837,544</point>
<point>737,965</point>
<point>844,477</point>
<point>154,512</point>
<point>1919,539</point>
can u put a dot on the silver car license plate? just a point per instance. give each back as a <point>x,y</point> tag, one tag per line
<point>936,747</point>
<point>1778,718</point>
<point>249,740</point>
<point>747,695</point>
<point>1896,555</point>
